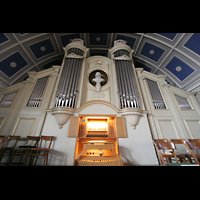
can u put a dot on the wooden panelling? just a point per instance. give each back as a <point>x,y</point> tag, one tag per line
<point>73,126</point>
<point>121,127</point>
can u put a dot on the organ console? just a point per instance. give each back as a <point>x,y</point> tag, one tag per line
<point>97,144</point>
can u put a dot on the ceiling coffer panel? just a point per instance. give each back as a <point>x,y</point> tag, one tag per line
<point>176,55</point>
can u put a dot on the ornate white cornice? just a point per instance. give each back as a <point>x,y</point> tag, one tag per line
<point>78,40</point>
<point>123,57</point>
<point>73,55</point>
<point>30,79</point>
<point>119,42</point>
<point>62,115</point>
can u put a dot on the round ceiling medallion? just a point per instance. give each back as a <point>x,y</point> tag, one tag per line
<point>13,64</point>
<point>152,52</point>
<point>178,68</point>
<point>42,48</point>
<point>98,39</point>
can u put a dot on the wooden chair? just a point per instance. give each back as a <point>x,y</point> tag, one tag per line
<point>24,150</point>
<point>194,145</point>
<point>161,159</point>
<point>181,156</point>
<point>160,140</point>
<point>167,146</point>
<point>9,146</point>
<point>41,151</point>
<point>2,141</point>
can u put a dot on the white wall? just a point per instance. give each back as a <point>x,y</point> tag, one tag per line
<point>173,122</point>
<point>198,96</point>
<point>137,148</point>
<point>63,147</point>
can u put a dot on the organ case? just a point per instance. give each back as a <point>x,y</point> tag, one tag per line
<point>97,143</point>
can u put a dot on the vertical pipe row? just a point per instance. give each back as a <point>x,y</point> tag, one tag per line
<point>156,95</point>
<point>127,86</point>
<point>67,87</point>
<point>119,84</point>
<point>77,82</point>
<point>36,96</point>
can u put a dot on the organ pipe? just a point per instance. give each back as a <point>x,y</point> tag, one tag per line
<point>36,96</point>
<point>156,95</point>
<point>183,102</point>
<point>126,81</point>
<point>68,84</point>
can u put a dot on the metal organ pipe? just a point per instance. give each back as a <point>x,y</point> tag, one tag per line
<point>156,95</point>
<point>36,96</point>
<point>68,83</point>
<point>127,86</point>
<point>130,96</point>
<point>69,91</point>
<point>119,83</point>
<point>62,82</point>
<point>134,86</point>
<point>76,83</point>
<point>73,83</point>
<point>40,92</point>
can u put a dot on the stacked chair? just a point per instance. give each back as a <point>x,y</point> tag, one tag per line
<point>27,149</point>
<point>169,155</point>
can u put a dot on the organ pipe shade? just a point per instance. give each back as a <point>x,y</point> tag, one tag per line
<point>76,51</point>
<point>68,84</point>
<point>36,95</point>
<point>156,95</point>
<point>8,99</point>
<point>126,81</point>
<point>183,102</point>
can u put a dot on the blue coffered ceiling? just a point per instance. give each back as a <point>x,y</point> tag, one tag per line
<point>151,51</point>
<point>98,39</point>
<point>42,48</point>
<point>12,64</point>
<point>176,55</point>
<point>178,68</point>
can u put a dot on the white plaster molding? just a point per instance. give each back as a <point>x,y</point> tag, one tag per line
<point>30,79</point>
<point>77,40</point>
<point>56,70</point>
<point>119,42</point>
<point>73,55</point>
<point>62,115</point>
<point>132,115</point>
<point>123,57</point>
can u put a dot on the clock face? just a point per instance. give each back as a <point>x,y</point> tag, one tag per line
<point>103,76</point>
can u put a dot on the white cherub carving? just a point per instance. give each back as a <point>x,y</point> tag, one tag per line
<point>98,80</point>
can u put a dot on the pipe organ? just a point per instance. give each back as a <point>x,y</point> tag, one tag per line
<point>101,110</point>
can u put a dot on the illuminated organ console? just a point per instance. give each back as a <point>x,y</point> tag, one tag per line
<point>97,143</point>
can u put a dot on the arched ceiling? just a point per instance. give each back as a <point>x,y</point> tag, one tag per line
<point>176,55</point>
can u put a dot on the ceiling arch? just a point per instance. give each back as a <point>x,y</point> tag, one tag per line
<point>176,55</point>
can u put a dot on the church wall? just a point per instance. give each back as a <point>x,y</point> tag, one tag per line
<point>137,148</point>
<point>172,122</point>
<point>63,147</point>
<point>19,114</point>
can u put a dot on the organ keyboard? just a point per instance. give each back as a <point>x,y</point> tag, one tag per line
<point>97,153</point>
